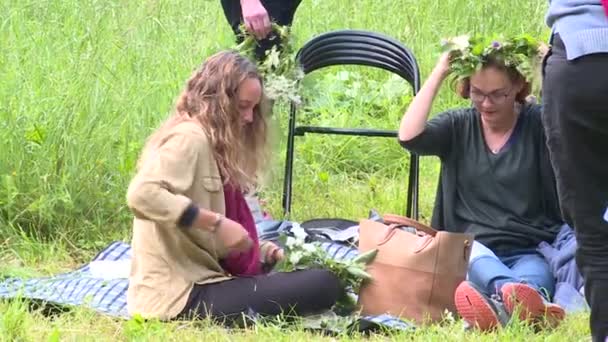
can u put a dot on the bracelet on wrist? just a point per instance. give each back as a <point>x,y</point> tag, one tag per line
<point>218,221</point>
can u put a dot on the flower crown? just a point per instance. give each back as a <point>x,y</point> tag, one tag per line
<point>469,54</point>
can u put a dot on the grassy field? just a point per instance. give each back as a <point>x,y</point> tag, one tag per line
<point>84,82</point>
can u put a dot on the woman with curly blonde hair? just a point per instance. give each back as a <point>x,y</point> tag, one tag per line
<point>195,247</point>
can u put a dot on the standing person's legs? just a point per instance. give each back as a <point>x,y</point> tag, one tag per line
<point>293,293</point>
<point>233,14</point>
<point>575,115</point>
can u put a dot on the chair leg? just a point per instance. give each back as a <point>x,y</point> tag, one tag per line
<point>287,181</point>
<point>412,193</point>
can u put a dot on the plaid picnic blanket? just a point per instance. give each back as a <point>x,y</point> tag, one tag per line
<point>78,287</point>
<point>82,287</point>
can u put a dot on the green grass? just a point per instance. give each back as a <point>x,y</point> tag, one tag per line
<point>83,84</point>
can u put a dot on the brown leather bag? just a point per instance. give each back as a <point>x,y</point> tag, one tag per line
<point>414,275</point>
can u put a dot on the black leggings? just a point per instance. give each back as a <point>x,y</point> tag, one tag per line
<point>292,294</point>
<point>575,96</point>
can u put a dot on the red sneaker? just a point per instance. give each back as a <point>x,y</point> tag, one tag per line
<point>530,304</point>
<point>477,309</point>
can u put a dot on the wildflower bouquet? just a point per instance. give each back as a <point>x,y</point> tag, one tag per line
<point>301,255</point>
<point>280,73</point>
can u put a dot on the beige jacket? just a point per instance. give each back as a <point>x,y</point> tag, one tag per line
<point>167,259</point>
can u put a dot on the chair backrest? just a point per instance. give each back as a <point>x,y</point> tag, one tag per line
<point>365,48</point>
<point>357,47</point>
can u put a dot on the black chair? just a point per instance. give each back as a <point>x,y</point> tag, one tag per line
<point>354,47</point>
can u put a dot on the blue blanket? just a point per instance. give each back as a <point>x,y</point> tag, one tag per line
<point>81,288</point>
<point>78,287</point>
<point>560,256</point>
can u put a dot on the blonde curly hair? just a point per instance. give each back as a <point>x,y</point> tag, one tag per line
<point>210,99</point>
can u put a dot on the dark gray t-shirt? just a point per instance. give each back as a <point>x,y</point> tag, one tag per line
<point>508,200</point>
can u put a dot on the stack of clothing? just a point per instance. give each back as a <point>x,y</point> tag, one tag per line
<point>569,281</point>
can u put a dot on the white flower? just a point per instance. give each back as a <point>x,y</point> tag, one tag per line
<point>298,232</point>
<point>310,248</point>
<point>290,242</point>
<point>295,257</point>
<point>461,42</point>
<point>456,43</point>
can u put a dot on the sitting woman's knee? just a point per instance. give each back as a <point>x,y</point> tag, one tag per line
<point>324,285</point>
<point>479,250</point>
<point>326,280</point>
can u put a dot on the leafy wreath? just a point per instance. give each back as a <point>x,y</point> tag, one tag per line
<point>278,68</point>
<point>468,54</point>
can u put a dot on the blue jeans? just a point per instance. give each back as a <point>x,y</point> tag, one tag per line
<point>490,272</point>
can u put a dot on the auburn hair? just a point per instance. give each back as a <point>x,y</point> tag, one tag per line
<point>463,86</point>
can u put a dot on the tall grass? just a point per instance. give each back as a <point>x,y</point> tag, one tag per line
<point>83,83</point>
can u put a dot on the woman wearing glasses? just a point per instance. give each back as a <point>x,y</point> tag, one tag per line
<point>496,182</point>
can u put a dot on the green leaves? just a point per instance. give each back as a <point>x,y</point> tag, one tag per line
<point>366,257</point>
<point>358,272</point>
<point>302,255</point>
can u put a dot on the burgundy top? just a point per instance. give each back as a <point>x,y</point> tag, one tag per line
<point>237,263</point>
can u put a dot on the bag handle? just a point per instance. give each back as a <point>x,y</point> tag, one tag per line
<point>406,221</point>
<point>426,239</point>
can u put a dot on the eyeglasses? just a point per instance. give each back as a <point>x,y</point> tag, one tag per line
<point>497,97</point>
